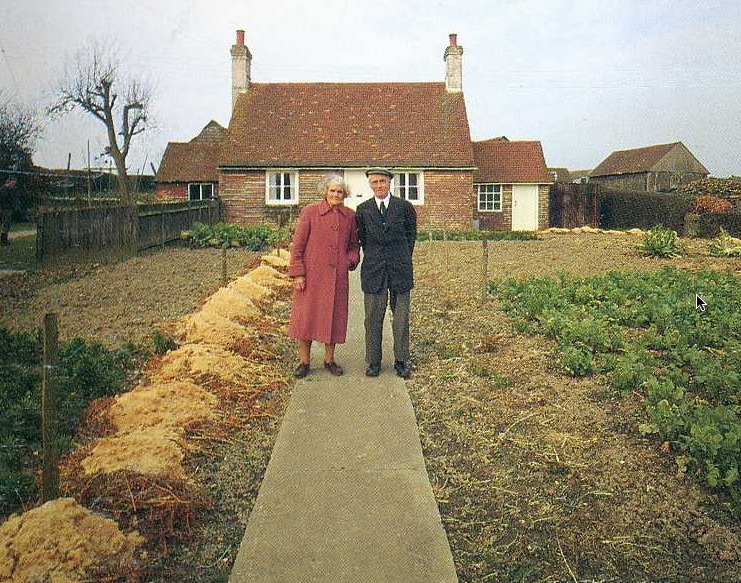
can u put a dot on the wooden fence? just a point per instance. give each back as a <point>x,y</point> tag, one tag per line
<point>574,205</point>
<point>118,230</point>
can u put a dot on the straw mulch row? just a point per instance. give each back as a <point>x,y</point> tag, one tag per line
<point>134,461</point>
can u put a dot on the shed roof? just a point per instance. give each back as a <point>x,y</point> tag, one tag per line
<point>348,125</point>
<point>503,161</point>
<point>639,160</point>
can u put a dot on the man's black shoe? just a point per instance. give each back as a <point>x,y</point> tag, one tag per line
<point>402,369</point>
<point>373,370</point>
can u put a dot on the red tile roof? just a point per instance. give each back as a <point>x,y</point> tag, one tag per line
<point>348,125</point>
<point>633,161</point>
<point>194,161</point>
<point>502,161</point>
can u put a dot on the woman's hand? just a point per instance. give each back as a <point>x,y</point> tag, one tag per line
<point>299,283</point>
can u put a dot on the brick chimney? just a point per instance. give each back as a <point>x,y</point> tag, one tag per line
<point>241,63</point>
<point>453,66</point>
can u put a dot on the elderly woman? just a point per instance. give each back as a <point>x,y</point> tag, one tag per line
<point>325,247</point>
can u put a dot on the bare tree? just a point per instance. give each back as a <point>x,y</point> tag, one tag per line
<point>94,84</point>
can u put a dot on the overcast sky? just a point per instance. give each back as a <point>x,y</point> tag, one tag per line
<point>584,77</point>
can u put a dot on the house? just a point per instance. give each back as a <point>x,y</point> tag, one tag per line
<point>511,184</point>
<point>188,171</point>
<point>560,175</point>
<point>660,168</point>
<point>284,137</point>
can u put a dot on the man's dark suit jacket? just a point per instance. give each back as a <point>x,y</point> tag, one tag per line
<point>387,249</point>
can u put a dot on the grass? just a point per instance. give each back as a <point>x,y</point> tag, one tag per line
<point>20,253</point>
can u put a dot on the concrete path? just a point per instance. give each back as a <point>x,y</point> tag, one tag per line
<point>346,497</point>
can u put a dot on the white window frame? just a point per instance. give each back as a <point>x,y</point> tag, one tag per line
<point>496,189</point>
<point>200,186</point>
<point>397,189</point>
<point>294,187</point>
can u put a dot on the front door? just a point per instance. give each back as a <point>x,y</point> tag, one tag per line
<point>524,207</point>
<point>360,190</point>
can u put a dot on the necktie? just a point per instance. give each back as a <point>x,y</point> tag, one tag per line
<point>383,211</point>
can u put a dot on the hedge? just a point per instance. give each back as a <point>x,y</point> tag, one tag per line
<point>709,224</point>
<point>622,209</point>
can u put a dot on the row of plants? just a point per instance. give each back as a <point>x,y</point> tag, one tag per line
<point>255,238</point>
<point>645,333</point>
<point>663,242</point>
<point>439,235</point>
<point>86,371</point>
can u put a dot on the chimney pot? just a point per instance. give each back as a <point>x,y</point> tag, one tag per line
<point>240,37</point>
<point>453,39</point>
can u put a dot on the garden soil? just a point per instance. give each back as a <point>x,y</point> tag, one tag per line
<point>538,476</point>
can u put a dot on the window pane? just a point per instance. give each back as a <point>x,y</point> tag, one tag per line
<point>207,191</point>
<point>194,192</point>
<point>412,179</point>
<point>413,193</point>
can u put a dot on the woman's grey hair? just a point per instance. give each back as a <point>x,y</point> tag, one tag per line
<point>335,179</point>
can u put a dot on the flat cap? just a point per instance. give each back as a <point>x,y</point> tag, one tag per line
<point>382,171</point>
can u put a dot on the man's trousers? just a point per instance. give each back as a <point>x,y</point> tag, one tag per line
<point>375,310</point>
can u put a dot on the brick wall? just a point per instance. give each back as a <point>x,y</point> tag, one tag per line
<point>498,221</point>
<point>502,221</point>
<point>449,201</point>
<point>544,191</point>
<point>170,191</point>
<point>243,196</point>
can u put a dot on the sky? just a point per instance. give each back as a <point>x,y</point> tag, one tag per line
<point>584,77</point>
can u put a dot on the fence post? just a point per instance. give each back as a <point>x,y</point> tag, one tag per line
<point>279,237</point>
<point>40,237</point>
<point>484,267</point>
<point>162,226</point>
<point>447,254</point>
<point>224,278</point>
<point>50,472</point>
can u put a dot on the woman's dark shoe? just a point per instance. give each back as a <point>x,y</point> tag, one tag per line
<point>301,370</point>
<point>334,368</point>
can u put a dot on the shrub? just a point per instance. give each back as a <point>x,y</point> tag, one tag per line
<point>621,209</point>
<point>725,245</point>
<point>255,238</point>
<point>710,224</point>
<point>86,371</point>
<point>661,242</point>
<point>711,204</point>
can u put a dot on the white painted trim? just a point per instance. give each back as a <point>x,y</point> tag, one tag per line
<point>420,184</point>
<point>294,173</point>
<point>501,197</point>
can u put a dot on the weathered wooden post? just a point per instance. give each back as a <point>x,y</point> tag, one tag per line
<point>224,277</point>
<point>162,226</point>
<point>484,267</point>
<point>50,440</point>
<point>279,236</point>
<point>447,253</point>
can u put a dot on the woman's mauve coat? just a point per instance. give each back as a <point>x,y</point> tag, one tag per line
<point>325,247</point>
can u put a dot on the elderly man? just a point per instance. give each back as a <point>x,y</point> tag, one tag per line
<point>387,231</point>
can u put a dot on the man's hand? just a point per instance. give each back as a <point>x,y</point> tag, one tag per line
<point>299,283</point>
